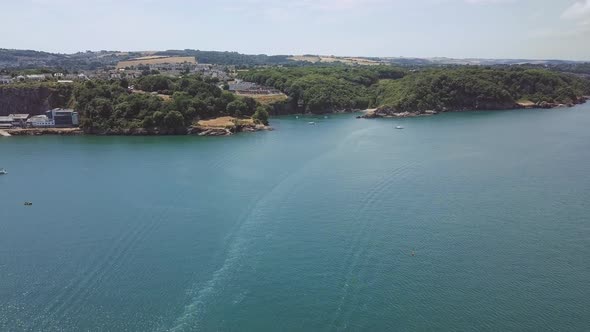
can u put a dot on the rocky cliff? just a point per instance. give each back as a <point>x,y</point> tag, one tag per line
<point>32,100</point>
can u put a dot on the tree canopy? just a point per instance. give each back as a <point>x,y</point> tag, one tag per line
<point>162,101</point>
<point>324,89</point>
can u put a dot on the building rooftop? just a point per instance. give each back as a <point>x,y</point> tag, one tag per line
<point>38,118</point>
<point>63,110</point>
<point>19,116</point>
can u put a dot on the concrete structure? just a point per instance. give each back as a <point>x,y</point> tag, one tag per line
<point>19,120</point>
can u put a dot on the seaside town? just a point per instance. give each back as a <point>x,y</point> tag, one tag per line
<point>130,70</point>
<point>13,120</point>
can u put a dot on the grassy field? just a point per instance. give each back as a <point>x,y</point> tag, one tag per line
<point>267,99</point>
<point>223,122</point>
<point>149,60</point>
<point>329,59</point>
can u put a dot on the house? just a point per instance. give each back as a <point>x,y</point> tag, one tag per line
<point>241,86</point>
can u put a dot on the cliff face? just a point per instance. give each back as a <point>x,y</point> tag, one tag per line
<point>30,100</point>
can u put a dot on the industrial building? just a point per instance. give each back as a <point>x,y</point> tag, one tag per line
<point>63,117</point>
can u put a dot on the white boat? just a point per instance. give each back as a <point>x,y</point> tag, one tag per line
<point>3,171</point>
<point>311,123</point>
<point>399,127</point>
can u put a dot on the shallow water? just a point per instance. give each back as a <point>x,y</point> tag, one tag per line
<point>303,228</point>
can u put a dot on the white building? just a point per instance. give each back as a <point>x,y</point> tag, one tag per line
<point>40,121</point>
<point>6,122</point>
<point>6,80</point>
<point>36,77</point>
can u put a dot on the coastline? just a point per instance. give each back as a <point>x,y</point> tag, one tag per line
<point>193,130</point>
<point>390,112</point>
<point>231,127</point>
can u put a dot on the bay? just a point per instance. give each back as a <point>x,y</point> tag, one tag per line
<point>461,221</point>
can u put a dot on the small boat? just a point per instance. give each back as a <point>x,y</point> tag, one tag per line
<point>28,203</point>
<point>325,116</point>
<point>3,171</point>
<point>399,127</point>
<point>296,117</point>
<point>311,123</point>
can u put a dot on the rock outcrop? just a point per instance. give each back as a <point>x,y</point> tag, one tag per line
<point>226,131</point>
<point>389,112</point>
<point>33,100</point>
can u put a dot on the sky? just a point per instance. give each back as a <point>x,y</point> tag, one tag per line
<point>515,29</point>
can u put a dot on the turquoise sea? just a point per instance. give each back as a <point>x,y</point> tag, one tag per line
<point>461,221</point>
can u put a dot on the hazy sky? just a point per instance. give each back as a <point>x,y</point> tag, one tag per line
<point>411,28</point>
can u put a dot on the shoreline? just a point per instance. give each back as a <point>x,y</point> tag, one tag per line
<point>191,131</point>
<point>389,112</point>
<point>215,131</point>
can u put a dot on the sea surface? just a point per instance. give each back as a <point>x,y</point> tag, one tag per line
<point>461,221</point>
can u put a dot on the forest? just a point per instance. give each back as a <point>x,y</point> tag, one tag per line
<point>320,89</point>
<point>326,89</point>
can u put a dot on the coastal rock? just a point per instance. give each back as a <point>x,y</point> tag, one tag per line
<point>44,131</point>
<point>388,112</point>
<point>216,132</point>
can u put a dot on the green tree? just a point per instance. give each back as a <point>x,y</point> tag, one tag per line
<point>174,120</point>
<point>261,115</point>
<point>158,118</point>
<point>237,108</point>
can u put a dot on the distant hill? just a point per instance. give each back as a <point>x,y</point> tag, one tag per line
<point>26,59</point>
<point>91,60</point>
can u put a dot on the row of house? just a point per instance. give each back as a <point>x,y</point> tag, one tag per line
<point>61,77</point>
<point>55,118</point>
<point>242,87</point>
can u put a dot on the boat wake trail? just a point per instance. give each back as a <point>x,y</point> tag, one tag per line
<point>247,231</point>
<point>362,241</point>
